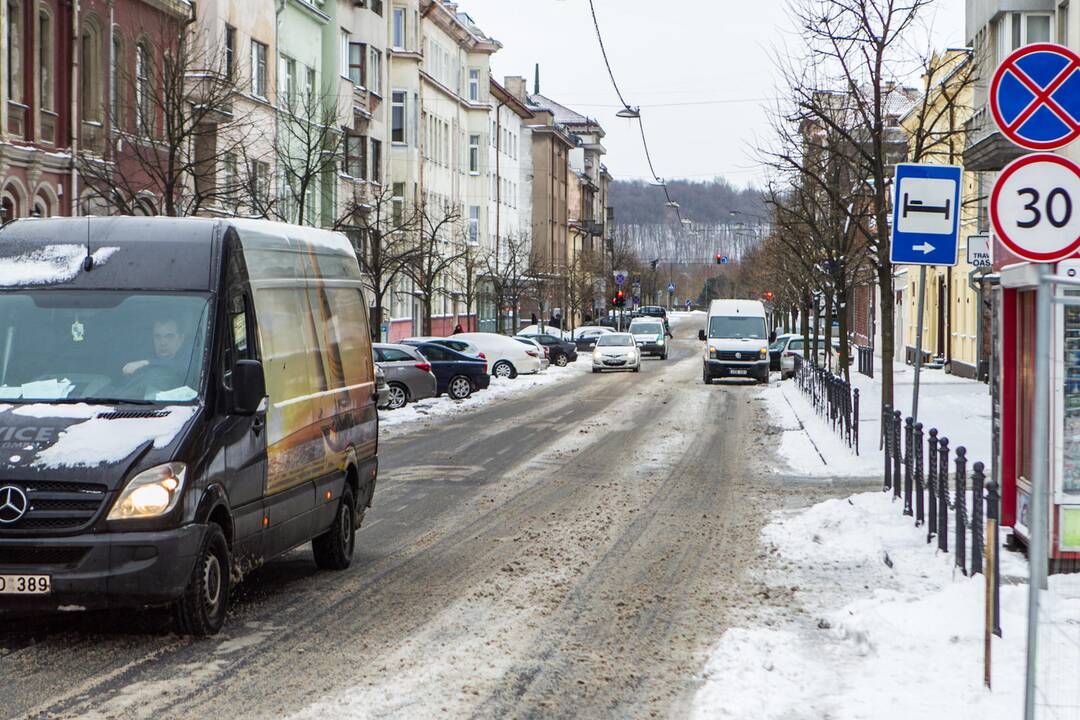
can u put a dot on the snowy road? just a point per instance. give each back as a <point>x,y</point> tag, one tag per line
<point>575,551</point>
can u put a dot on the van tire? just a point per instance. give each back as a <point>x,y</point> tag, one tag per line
<point>197,612</point>
<point>706,377</point>
<point>333,550</point>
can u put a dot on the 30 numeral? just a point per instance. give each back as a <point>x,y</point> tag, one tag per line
<point>1056,200</point>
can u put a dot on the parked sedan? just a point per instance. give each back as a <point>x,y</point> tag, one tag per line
<point>382,390</point>
<point>461,346</point>
<point>458,375</point>
<point>506,357</point>
<point>408,374</point>
<point>545,362</point>
<point>585,337</point>
<point>616,351</point>
<point>562,352</point>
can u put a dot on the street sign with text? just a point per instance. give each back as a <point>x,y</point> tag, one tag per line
<point>1035,96</point>
<point>926,214</point>
<point>978,251</point>
<point>1035,207</point>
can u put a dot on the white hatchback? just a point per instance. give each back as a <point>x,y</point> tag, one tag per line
<point>616,351</point>
<point>506,357</point>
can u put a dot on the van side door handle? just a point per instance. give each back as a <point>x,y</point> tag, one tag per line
<point>257,424</point>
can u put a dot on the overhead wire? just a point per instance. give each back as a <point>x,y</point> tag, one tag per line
<point>641,126</point>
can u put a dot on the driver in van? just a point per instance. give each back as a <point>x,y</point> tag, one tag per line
<point>168,339</point>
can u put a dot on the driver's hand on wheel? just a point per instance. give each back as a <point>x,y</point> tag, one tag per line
<point>133,367</point>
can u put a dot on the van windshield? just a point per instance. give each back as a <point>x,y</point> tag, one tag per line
<point>646,328</point>
<point>737,326</point>
<point>104,346</point>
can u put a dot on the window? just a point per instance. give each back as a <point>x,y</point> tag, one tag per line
<point>228,173</point>
<point>474,85</point>
<point>230,52</point>
<point>1063,23</point>
<point>286,82</point>
<point>398,205</point>
<point>397,117</point>
<point>374,72</point>
<point>356,155</point>
<point>14,33</point>
<point>114,78</point>
<point>90,74</point>
<point>143,115</point>
<point>357,51</point>
<point>474,154</point>
<point>399,28</point>
<point>310,89</point>
<point>258,177</point>
<point>376,161</point>
<point>258,69</point>
<point>45,60</point>
<point>474,224</point>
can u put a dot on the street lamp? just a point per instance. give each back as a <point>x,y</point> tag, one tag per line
<point>630,113</point>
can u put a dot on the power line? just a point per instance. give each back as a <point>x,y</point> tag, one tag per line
<point>600,39</point>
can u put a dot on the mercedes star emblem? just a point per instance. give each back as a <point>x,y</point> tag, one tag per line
<point>13,504</point>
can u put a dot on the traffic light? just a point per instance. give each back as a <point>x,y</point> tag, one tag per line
<point>719,259</point>
<point>620,299</point>
<point>769,295</point>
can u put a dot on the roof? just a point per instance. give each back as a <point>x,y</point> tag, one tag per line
<point>562,114</point>
<point>737,307</point>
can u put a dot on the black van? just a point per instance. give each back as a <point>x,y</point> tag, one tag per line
<point>180,401</point>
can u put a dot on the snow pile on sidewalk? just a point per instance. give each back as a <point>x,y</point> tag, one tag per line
<point>881,625</point>
<point>959,408</point>
<point>500,389</point>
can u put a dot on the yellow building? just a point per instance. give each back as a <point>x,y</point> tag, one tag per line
<point>951,313</point>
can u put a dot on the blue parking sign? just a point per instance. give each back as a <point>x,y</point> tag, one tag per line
<point>926,214</point>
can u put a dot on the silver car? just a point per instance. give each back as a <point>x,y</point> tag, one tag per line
<point>408,374</point>
<point>616,351</point>
<point>545,363</point>
<point>382,390</point>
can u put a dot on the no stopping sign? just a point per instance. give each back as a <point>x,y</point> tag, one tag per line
<point>1035,207</point>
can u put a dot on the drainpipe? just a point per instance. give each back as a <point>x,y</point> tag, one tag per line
<point>498,205</point>
<point>74,107</point>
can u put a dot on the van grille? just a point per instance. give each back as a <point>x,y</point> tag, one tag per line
<point>747,355</point>
<point>56,506</point>
<point>23,555</point>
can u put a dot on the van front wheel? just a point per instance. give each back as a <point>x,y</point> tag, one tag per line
<point>201,610</point>
<point>333,549</point>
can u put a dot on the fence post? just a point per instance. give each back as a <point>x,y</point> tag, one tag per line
<point>855,420</point>
<point>943,495</point>
<point>909,462</point>
<point>918,475</point>
<point>886,438</point>
<point>977,479</point>
<point>993,513</point>
<point>897,423</point>
<point>961,503</point>
<point>931,486</point>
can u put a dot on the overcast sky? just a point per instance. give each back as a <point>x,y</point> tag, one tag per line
<point>669,57</point>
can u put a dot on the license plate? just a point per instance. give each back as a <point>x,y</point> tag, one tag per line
<point>738,372</point>
<point>25,585</point>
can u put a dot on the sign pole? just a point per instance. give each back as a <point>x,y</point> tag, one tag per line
<point>918,344</point>
<point>1040,450</point>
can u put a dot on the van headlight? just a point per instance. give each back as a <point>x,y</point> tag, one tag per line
<point>659,339</point>
<point>764,353</point>
<point>151,493</point>
<point>712,351</point>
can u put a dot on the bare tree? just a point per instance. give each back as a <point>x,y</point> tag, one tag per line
<point>467,274</point>
<point>175,132</point>
<point>507,274</point>
<point>382,230</point>
<point>434,256</point>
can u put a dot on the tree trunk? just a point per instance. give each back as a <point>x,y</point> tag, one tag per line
<point>886,308</point>
<point>827,350</point>
<point>845,348</point>
<point>425,327</point>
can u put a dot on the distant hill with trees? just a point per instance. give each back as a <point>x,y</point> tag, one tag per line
<point>636,202</point>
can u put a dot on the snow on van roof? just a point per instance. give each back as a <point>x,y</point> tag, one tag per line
<point>334,242</point>
<point>737,307</point>
<point>48,264</point>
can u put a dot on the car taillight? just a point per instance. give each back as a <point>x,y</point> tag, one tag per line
<point>483,356</point>
<point>426,367</point>
<point>532,353</point>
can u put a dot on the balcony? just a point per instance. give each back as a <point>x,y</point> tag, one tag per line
<point>987,148</point>
<point>16,124</point>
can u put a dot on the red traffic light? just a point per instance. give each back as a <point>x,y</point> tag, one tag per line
<point>769,295</point>
<point>620,295</point>
<point>719,259</point>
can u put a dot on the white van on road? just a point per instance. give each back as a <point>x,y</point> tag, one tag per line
<point>736,341</point>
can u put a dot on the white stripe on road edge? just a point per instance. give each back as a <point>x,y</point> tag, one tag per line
<point>803,428</point>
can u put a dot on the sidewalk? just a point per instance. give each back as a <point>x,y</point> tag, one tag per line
<point>958,408</point>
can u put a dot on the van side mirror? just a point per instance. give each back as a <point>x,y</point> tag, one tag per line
<point>701,335</point>
<point>248,386</point>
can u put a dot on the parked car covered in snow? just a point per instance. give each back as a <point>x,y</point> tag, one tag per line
<point>506,357</point>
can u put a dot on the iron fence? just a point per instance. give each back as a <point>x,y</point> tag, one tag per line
<point>833,398</point>
<point>866,360</point>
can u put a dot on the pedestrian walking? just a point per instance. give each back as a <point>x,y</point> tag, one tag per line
<point>458,329</point>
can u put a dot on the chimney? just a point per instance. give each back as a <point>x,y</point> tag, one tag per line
<point>536,82</point>
<point>516,86</point>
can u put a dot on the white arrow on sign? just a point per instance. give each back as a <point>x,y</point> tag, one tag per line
<point>926,248</point>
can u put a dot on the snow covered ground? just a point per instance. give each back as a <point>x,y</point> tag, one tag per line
<point>879,625</point>
<point>501,389</point>
<point>958,408</point>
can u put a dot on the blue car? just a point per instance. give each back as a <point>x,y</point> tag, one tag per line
<point>456,374</point>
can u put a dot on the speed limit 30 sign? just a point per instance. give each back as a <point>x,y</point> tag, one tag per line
<point>1035,207</point>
